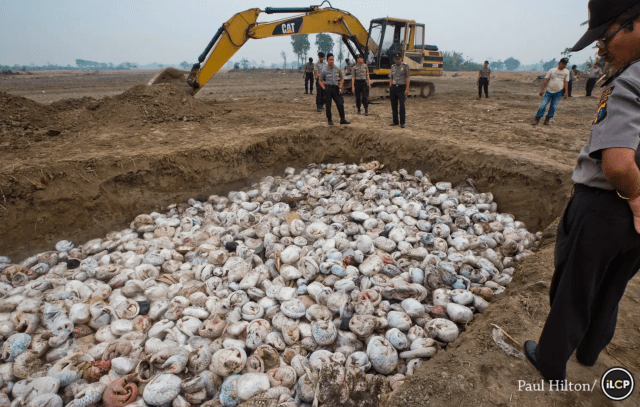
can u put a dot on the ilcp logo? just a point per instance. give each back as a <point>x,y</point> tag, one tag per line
<point>617,383</point>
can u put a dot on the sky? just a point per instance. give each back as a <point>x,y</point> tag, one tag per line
<point>146,31</point>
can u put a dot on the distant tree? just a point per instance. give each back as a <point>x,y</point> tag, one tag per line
<point>245,63</point>
<point>551,64</point>
<point>301,45</point>
<point>454,61</point>
<point>324,42</point>
<point>236,65</point>
<point>274,66</point>
<point>284,56</point>
<point>511,64</point>
<point>341,52</point>
<point>566,53</point>
<point>497,65</point>
<point>185,65</point>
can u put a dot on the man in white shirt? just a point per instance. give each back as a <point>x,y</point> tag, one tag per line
<point>557,82</point>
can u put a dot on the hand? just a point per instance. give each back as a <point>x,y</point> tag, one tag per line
<point>541,93</point>
<point>565,95</point>
<point>406,91</point>
<point>353,89</point>
<point>635,209</point>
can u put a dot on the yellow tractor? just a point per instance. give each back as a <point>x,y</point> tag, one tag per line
<point>385,37</point>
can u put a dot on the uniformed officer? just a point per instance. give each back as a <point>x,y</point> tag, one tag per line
<point>398,88</point>
<point>318,68</point>
<point>331,80</point>
<point>309,67</point>
<point>360,84</point>
<point>598,242</point>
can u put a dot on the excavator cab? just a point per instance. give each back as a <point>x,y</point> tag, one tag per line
<point>387,36</point>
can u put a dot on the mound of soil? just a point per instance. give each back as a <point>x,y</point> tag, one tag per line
<point>23,121</point>
<point>140,104</point>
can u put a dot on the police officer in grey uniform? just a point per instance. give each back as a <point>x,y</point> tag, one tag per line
<point>331,79</point>
<point>309,67</point>
<point>360,84</point>
<point>598,242</point>
<point>319,67</point>
<point>400,78</point>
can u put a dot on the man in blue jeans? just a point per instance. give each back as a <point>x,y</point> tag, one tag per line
<point>557,82</point>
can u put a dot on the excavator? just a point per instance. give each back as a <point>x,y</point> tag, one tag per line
<point>385,37</point>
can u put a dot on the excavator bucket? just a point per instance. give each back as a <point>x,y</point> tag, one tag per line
<point>173,76</point>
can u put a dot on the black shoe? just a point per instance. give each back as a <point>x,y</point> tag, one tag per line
<point>306,92</point>
<point>582,362</point>
<point>530,352</point>
<point>393,124</point>
<point>344,121</point>
<point>330,123</point>
<point>319,109</point>
<point>311,93</point>
<point>366,112</point>
<point>359,111</point>
<point>402,125</point>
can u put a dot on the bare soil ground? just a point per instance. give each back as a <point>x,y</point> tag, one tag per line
<point>84,152</point>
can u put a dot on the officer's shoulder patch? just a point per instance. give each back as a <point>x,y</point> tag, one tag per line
<point>602,106</point>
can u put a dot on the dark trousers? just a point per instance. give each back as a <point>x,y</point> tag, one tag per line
<point>308,79</point>
<point>332,92</point>
<point>396,95</point>
<point>483,83</point>
<point>591,83</point>
<point>569,89</point>
<point>362,93</point>
<point>597,253</point>
<point>319,95</point>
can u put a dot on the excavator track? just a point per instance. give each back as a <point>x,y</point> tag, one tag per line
<point>380,88</point>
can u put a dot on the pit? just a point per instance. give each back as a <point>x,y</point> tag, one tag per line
<point>93,151</point>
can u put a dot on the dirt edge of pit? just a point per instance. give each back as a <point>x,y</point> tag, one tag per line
<point>79,200</point>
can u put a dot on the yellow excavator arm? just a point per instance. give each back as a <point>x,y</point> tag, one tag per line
<point>233,34</point>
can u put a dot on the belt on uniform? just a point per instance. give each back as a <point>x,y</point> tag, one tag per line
<point>403,84</point>
<point>361,80</point>
<point>331,86</point>
<point>593,190</point>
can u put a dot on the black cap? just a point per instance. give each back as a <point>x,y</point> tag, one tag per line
<point>320,54</point>
<point>602,13</point>
<point>564,61</point>
<point>397,55</point>
<point>358,56</point>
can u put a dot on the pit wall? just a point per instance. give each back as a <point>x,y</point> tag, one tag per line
<point>80,200</point>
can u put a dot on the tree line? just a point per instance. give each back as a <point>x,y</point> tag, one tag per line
<point>80,64</point>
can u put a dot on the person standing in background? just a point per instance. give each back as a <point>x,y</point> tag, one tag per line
<point>308,75</point>
<point>594,75</point>
<point>399,82</point>
<point>360,84</point>
<point>556,82</point>
<point>318,68</point>
<point>331,80</point>
<point>484,77</point>
<point>572,78</point>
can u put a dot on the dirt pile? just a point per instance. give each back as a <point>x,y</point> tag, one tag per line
<point>22,119</point>
<point>139,104</point>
